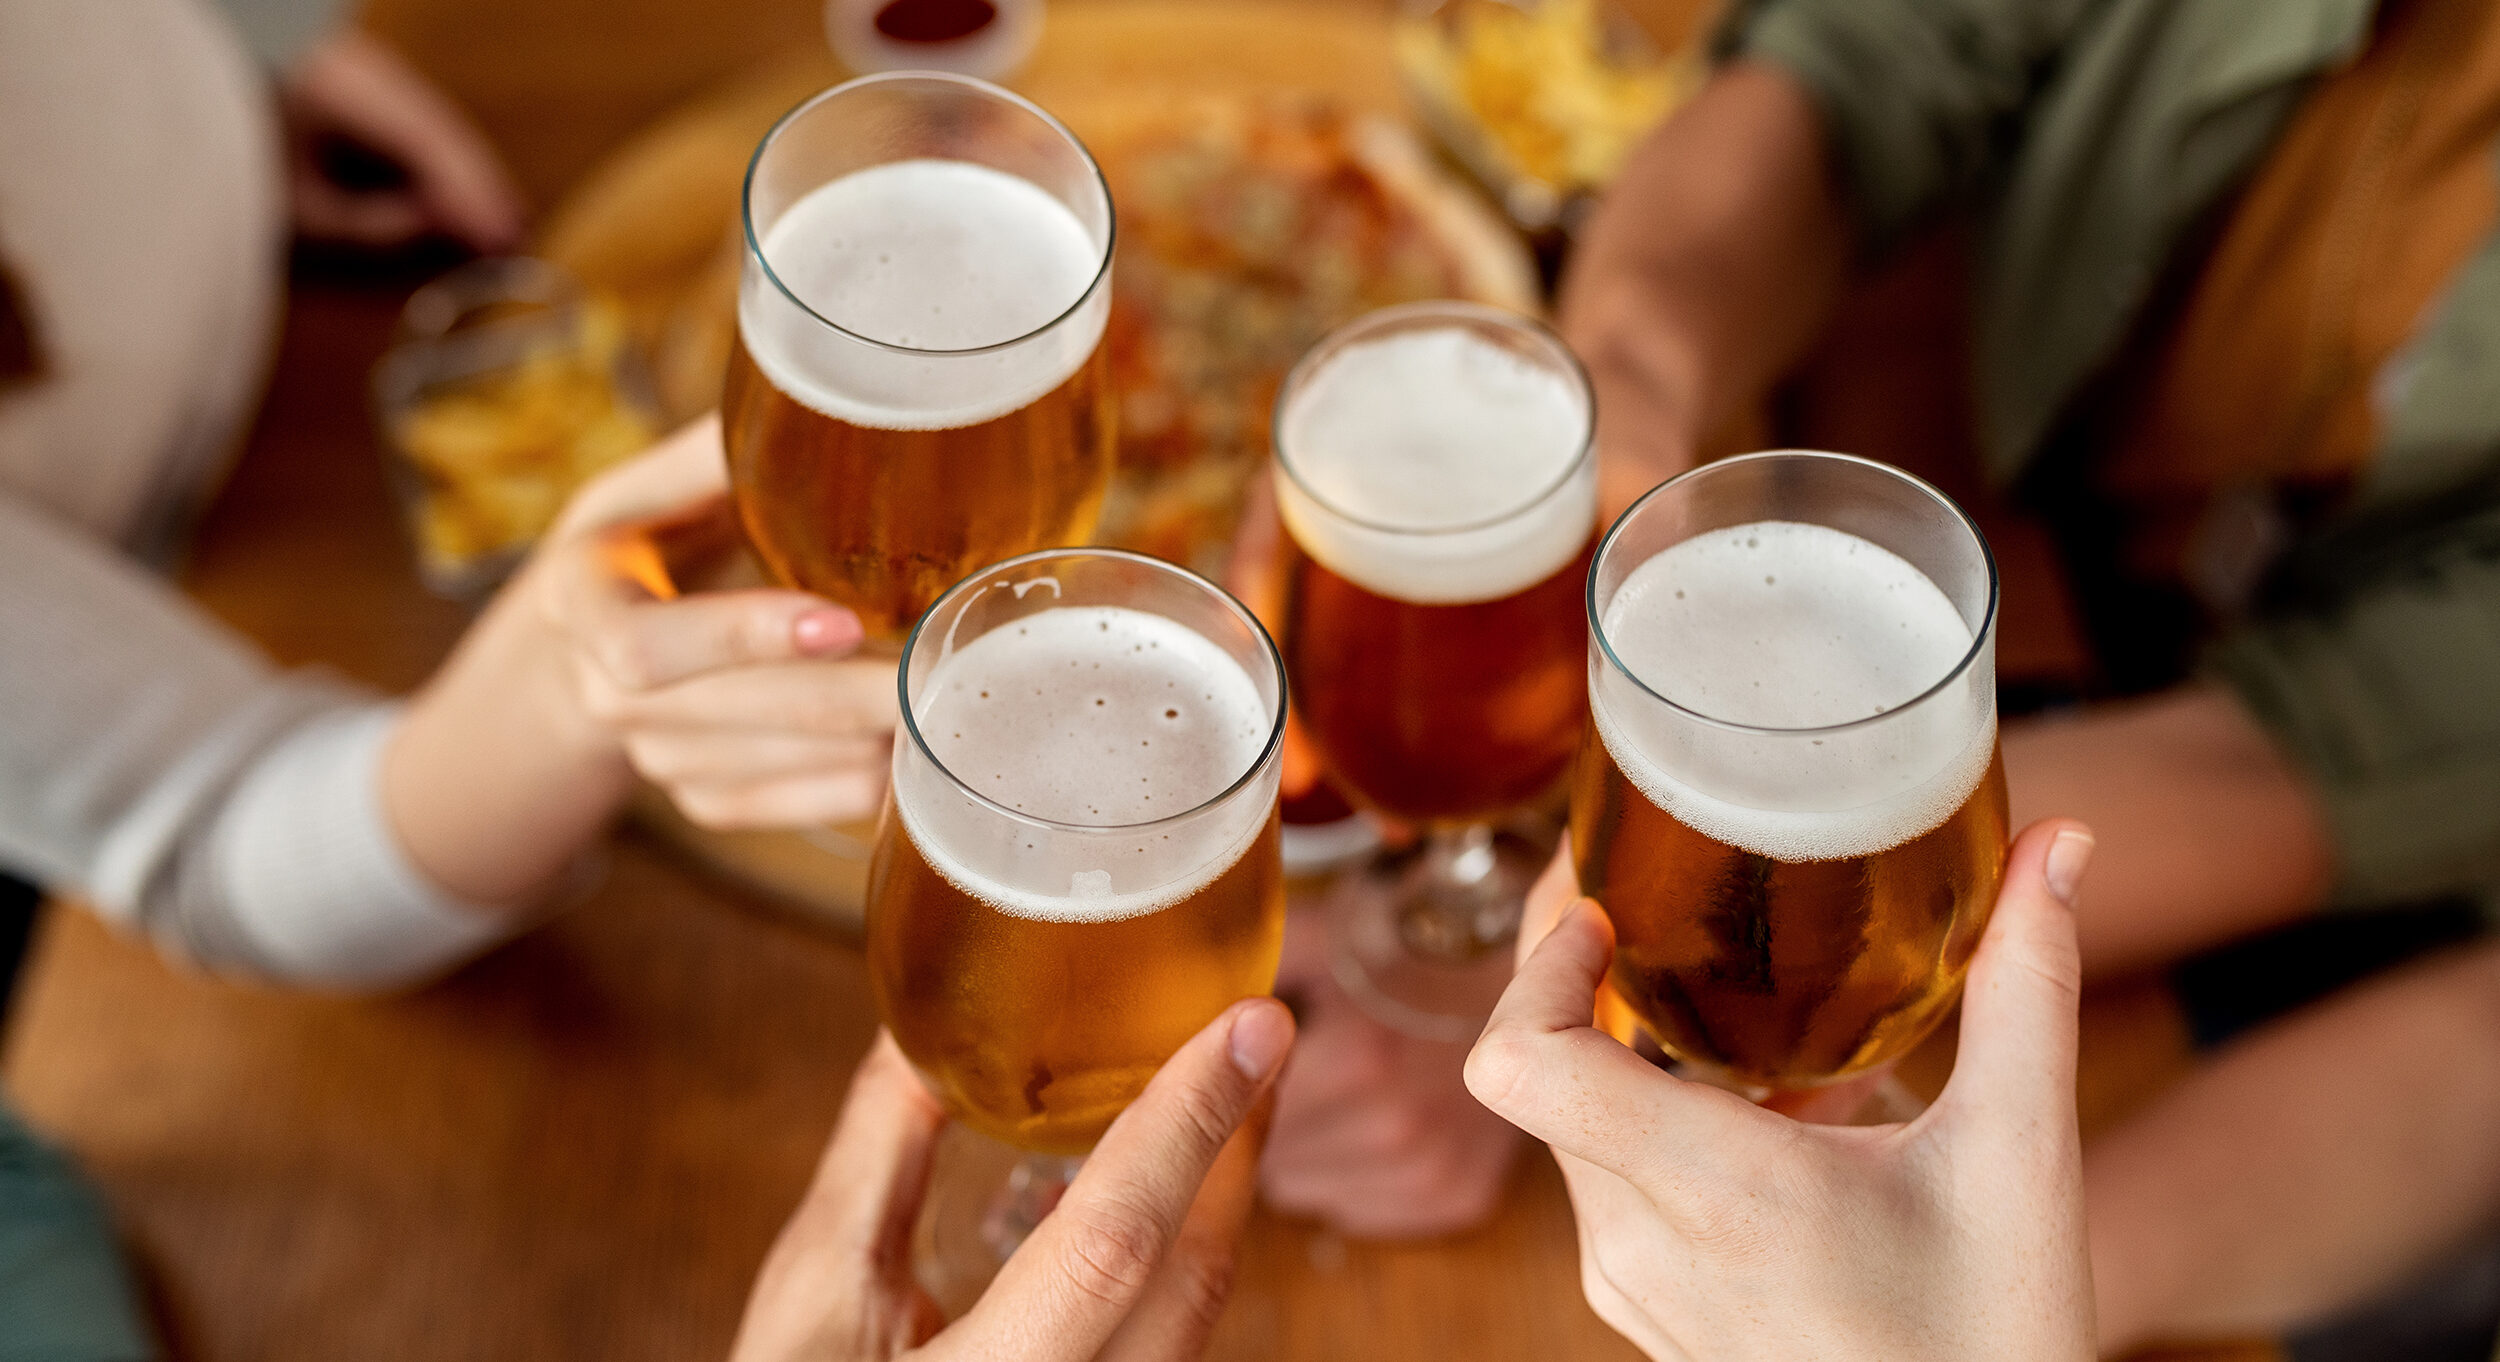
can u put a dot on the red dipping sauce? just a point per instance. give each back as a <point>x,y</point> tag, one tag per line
<point>934,21</point>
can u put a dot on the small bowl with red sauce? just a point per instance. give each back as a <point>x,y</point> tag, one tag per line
<point>982,38</point>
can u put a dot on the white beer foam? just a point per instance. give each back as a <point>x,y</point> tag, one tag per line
<point>1430,431</point>
<point>930,255</point>
<point>1091,715</point>
<point>1780,625</point>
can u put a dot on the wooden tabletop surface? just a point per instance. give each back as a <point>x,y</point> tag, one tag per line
<point>579,1147</point>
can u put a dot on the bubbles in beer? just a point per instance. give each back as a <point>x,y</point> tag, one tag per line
<point>1434,431</point>
<point>929,255</point>
<point>1101,717</point>
<point>1779,625</point>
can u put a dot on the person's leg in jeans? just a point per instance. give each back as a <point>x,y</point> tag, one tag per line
<point>65,1293</point>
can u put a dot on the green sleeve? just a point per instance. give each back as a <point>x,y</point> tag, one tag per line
<point>64,1294</point>
<point>1919,96</point>
<point>278,31</point>
<point>2378,669</point>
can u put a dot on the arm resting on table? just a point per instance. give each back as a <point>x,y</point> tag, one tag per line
<point>2206,830</point>
<point>2344,750</point>
<point>153,761</point>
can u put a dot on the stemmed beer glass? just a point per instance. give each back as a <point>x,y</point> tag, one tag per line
<point>1435,475</point>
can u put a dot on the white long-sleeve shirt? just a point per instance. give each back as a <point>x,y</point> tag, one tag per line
<point>151,759</point>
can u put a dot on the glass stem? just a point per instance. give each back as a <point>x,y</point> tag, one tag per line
<point>1033,1188</point>
<point>1468,909</point>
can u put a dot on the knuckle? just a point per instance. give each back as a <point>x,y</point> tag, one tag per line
<point>1203,1282</point>
<point>1596,1286</point>
<point>1613,1308</point>
<point>1610,1286</point>
<point>2054,975</point>
<point>1207,1115</point>
<point>1728,1229</point>
<point>625,655</point>
<point>653,759</point>
<point>1496,1069</point>
<point>1112,1254</point>
<point>600,697</point>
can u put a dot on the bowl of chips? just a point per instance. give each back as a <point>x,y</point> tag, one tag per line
<point>1541,100</point>
<point>508,387</point>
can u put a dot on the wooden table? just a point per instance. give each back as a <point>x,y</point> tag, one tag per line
<point>580,1146</point>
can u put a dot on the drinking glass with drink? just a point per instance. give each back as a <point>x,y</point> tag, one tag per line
<point>1790,801</point>
<point>1078,865</point>
<point>919,385</point>
<point>1438,488</point>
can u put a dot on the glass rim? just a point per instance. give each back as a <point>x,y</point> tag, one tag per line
<point>755,162</point>
<point>1981,637</point>
<point>1268,650</point>
<point>1456,309</point>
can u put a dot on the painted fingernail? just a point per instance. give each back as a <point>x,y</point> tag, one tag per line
<point>1261,1035</point>
<point>821,631</point>
<point>2068,855</point>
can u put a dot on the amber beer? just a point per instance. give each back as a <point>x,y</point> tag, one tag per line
<point>882,520</point>
<point>1785,973</point>
<point>1437,712</point>
<point>1038,1031</point>
<point>1079,864</point>
<point>1790,800</point>
<point>919,385</point>
<point>1440,505</point>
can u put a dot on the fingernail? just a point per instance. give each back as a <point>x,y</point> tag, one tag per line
<point>821,631</point>
<point>2068,855</point>
<point>1261,1034</point>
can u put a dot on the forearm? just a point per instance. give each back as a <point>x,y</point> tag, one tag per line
<point>1709,269</point>
<point>497,778</point>
<point>2206,832</point>
<point>2309,1167</point>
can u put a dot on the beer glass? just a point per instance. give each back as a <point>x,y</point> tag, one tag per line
<point>1438,488</point>
<point>1078,867</point>
<point>1790,799</point>
<point>919,385</point>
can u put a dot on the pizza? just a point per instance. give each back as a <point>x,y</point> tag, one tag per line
<point>1248,227</point>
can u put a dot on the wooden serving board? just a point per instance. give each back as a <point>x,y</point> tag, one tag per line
<point>655,225</point>
<point>649,220</point>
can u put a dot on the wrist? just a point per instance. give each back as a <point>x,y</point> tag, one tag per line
<point>1648,376</point>
<point>499,776</point>
<point>526,651</point>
